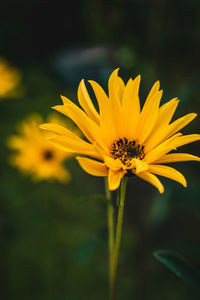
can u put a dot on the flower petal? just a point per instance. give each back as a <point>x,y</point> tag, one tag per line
<point>92,167</point>
<point>15,142</point>
<point>106,114</point>
<point>114,179</point>
<point>179,124</point>
<point>86,125</point>
<point>139,165</point>
<point>131,105</point>
<point>185,139</point>
<point>148,117</point>
<point>115,87</point>
<point>70,145</point>
<point>162,133</point>
<point>86,103</point>
<point>161,149</point>
<point>176,157</point>
<point>154,89</point>
<point>151,178</point>
<point>114,164</point>
<point>60,130</point>
<point>168,172</point>
<point>158,133</point>
<point>166,112</point>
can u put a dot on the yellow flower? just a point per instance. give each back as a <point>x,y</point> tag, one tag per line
<point>122,138</point>
<point>9,79</point>
<point>35,155</point>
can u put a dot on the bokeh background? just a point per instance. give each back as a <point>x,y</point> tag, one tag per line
<point>53,236</point>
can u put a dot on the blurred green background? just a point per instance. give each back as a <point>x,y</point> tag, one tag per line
<point>53,238</point>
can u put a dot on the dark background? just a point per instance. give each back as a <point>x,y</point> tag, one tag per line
<point>53,238</point>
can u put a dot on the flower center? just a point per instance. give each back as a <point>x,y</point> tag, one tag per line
<point>48,155</point>
<point>127,150</point>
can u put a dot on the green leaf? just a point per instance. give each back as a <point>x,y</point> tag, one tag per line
<point>180,266</point>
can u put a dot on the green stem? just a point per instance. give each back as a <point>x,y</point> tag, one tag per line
<point>118,238</point>
<point>110,212</point>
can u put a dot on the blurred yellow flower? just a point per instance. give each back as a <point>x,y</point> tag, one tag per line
<point>9,79</point>
<point>122,138</point>
<point>35,155</point>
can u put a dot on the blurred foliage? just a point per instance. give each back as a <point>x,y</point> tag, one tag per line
<point>54,239</point>
<point>180,266</point>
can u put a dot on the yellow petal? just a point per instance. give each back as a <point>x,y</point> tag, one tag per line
<point>154,89</point>
<point>162,149</point>
<point>131,105</point>
<point>114,179</point>
<point>121,87</point>
<point>172,143</point>
<point>86,125</point>
<point>148,117</point>
<point>66,101</point>
<point>185,139</point>
<point>176,157</point>
<point>92,167</point>
<point>166,112</point>
<point>101,151</point>
<point>180,123</point>
<point>119,120</point>
<point>165,132</point>
<point>106,114</point>
<point>86,103</point>
<point>101,96</point>
<point>60,130</point>
<point>139,165</point>
<point>115,87</point>
<point>15,142</point>
<point>169,173</point>
<point>114,164</point>
<point>158,133</point>
<point>151,178</point>
<point>70,145</point>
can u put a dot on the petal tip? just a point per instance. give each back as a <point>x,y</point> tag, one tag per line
<point>161,189</point>
<point>78,158</point>
<point>55,107</point>
<point>42,126</point>
<point>90,81</point>
<point>138,77</point>
<point>184,183</point>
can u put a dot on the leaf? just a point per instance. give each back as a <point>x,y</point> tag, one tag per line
<point>180,266</point>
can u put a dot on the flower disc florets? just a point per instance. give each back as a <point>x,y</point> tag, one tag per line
<point>127,150</point>
<point>48,155</point>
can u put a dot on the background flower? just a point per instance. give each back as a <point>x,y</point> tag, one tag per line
<point>35,155</point>
<point>9,79</point>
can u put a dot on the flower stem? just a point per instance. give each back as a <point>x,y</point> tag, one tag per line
<point>110,212</point>
<point>118,238</point>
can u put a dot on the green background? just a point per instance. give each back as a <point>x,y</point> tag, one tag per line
<point>53,237</point>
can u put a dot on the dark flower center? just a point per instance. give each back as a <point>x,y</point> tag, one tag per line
<point>48,155</point>
<point>127,150</point>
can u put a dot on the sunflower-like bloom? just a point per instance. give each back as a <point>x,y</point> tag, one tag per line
<point>9,79</point>
<point>35,155</point>
<point>121,138</point>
